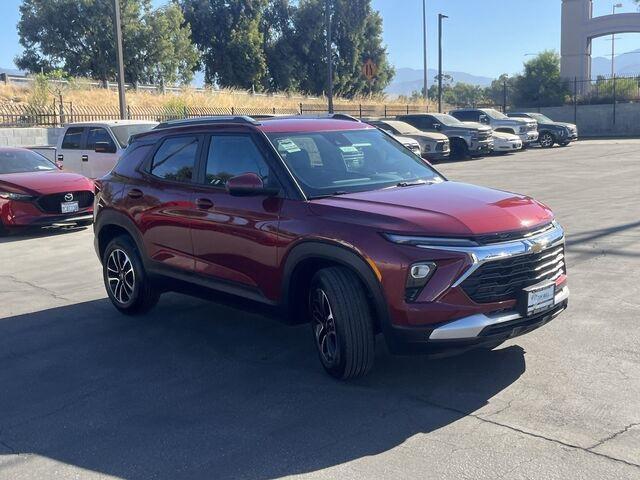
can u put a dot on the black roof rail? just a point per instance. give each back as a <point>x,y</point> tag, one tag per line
<point>207,120</point>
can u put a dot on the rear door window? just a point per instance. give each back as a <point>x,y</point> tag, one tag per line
<point>73,138</point>
<point>175,160</point>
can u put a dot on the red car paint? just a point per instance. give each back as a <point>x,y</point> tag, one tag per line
<point>245,245</point>
<point>38,185</point>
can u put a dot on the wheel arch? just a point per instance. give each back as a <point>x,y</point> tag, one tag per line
<point>109,224</point>
<point>308,257</point>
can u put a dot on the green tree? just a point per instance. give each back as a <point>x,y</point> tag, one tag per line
<point>78,37</point>
<point>541,84</point>
<point>228,34</point>
<point>495,93</point>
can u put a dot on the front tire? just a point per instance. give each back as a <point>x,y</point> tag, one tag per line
<point>341,322</point>
<point>127,284</point>
<point>546,140</point>
<point>459,149</point>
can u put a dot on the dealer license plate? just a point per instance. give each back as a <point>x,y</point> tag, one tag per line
<point>69,207</point>
<point>540,299</point>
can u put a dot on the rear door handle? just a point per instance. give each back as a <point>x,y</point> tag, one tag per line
<point>135,193</point>
<point>204,203</point>
<point>85,158</point>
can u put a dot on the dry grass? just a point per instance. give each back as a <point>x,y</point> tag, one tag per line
<point>189,98</point>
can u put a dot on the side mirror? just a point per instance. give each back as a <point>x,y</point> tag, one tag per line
<point>484,119</point>
<point>249,185</point>
<point>436,126</point>
<point>105,147</point>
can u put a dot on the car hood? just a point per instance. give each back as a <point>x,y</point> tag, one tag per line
<point>568,125</point>
<point>44,183</point>
<point>469,127</point>
<point>426,136</point>
<point>405,140</point>
<point>441,209</point>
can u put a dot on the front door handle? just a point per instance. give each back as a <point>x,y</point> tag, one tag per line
<point>85,158</point>
<point>135,193</point>
<point>204,203</point>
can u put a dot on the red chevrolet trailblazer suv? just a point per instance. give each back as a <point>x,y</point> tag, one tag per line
<point>328,221</point>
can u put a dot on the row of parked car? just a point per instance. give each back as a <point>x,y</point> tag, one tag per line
<point>93,148</point>
<point>475,132</point>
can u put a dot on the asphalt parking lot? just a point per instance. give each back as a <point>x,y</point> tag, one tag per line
<point>199,390</point>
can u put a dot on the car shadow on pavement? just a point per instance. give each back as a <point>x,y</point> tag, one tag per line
<point>29,233</point>
<point>200,390</point>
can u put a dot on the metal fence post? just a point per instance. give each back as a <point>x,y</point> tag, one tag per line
<point>615,99</point>
<point>575,100</point>
<point>360,107</point>
<point>233,111</point>
<point>129,112</point>
<point>184,111</point>
<point>385,111</point>
<point>407,109</point>
<point>301,108</point>
<point>61,111</point>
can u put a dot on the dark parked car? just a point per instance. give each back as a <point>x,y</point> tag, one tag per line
<point>330,222</point>
<point>34,192</point>
<point>550,132</point>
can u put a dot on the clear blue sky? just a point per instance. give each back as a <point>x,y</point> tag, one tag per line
<point>482,37</point>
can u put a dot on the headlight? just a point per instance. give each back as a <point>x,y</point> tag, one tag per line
<point>418,276</point>
<point>16,196</point>
<point>426,242</point>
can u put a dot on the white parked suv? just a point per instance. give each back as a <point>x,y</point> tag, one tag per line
<point>506,142</point>
<point>93,148</point>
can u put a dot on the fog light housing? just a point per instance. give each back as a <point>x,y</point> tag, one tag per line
<point>418,276</point>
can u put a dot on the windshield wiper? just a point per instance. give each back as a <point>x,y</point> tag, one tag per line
<point>411,184</point>
<point>328,195</point>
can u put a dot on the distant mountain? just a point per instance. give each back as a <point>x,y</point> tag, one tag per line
<point>626,64</point>
<point>408,80</point>
<point>11,71</point>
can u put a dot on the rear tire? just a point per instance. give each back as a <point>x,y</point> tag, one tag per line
<point>127,284</point>
<point>341,323</point>
<point>546,140</point>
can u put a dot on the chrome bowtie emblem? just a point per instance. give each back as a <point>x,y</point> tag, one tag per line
<point>68,197</point>
<point>537,247</point>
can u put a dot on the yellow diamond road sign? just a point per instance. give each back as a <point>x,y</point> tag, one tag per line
<point>370,69</point>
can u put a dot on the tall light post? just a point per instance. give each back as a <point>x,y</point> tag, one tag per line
<point>119,59</point>
<point>440,18</point>
<point>613,44</point>
<point>327,14</point>
<point>424,48</point>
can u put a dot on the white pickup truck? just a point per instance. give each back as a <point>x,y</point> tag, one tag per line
<point>93,148</point>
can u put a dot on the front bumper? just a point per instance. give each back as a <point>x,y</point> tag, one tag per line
<point>435,156</point>
<point>507,146</point>
<point>529,137</point>
<point>16,214</point>
<point>481,146</point>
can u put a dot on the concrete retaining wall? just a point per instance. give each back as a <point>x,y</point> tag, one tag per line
<point>597,120</point>
<point>29,137</point>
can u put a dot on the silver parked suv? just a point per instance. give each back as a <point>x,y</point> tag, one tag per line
<point>525,128</point>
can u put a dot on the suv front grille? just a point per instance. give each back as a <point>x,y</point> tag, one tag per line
<point>502,280</point>
<point>51,203</point>
<point>484,135</point>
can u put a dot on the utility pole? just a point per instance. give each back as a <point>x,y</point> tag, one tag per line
<point>440,18</point>
<point>327,14</point>
<point>424,46</point>
<point>613,44</point>
<point>119,59</point>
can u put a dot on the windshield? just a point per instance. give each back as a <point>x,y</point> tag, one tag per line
<point>541,118</point>
<point>403,128</point>
<point>495,114</point>
<point>124,132</point>
<point>20,161</point>
<point>334,163</point>
<point>448,120</point>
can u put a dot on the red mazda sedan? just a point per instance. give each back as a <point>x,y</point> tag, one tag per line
<point>35,192</point>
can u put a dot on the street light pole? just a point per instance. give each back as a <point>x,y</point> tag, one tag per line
<point>327,14</point>
<point>119,59</point>
<point>613,44</point>
<point>424,47</point>
<point>440,18</point>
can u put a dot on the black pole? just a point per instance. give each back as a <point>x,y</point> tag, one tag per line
<point>615,99</point>
<point>440,17</point>
<point>424,47</point>
<point>327,14</point>
<point>575,100</point>
<point>119,59</point>
<point>504,97</point>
